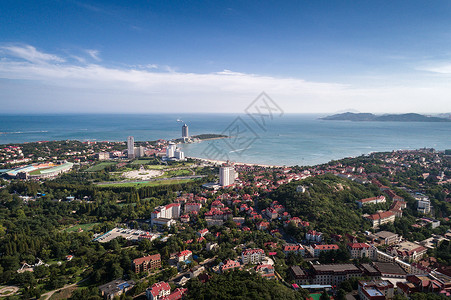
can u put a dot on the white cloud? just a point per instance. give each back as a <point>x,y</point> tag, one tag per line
<point>30,54</point>
<point>440,69</point>
<point>69,87</point>
<point>94,54</point>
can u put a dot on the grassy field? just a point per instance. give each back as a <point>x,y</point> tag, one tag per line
<point>156,167</point>
<point>141,161</point>
<point>148,183</point>
<point>85,227</point>
<point>63,294</point>
<point>177,173</point>
<point>100,166</point>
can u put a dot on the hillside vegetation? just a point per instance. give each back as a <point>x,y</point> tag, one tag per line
<point>328,204</point>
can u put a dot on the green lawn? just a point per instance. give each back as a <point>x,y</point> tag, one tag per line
<point>141,162</point>
<point>100,166</point>
<point>85,227</point>
<point>147,183</point>
<point>156,167</point>
<point>177,173</point>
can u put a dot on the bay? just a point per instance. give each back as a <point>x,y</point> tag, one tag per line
<point>290,139</point>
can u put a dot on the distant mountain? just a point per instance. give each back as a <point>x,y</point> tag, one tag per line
<point>359,117</point>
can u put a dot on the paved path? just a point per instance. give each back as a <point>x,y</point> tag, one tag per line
<point>6,291</point>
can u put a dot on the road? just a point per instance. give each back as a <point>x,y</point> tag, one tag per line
<point>49,294</point>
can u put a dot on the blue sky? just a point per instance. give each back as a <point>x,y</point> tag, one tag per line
<point>216,56</point>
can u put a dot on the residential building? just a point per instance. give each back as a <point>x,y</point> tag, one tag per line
<point>314,236</point>
<point>423,284</point>
<point>360,250</point>
<point>390,269</point>
<point>387,237</point>
<point>170,211</point>
<point>103,155</point>
<point>299,276</point>
<point>253,256</point>
<point>372,200</point>
<point>226,175</point>
<point>184,255</point>
<point>170,150</point>
<point>179,154</point>
<point>185,133</point>
<point>196,271</point>
<point>176,294</point>
<point>409,251</point>
<point>293,248</point>
<point>334,274</point>
<point>115,288</point>
<point>158,291</point>
<point>230,265</point>
<point>147,263</point>
<point>266,271</point>
<point>380,218</point>
<point>202,232</point>
<point>192,206</point>
<point>131,147</point>
<point>376,290</point>
<point>316,250</point>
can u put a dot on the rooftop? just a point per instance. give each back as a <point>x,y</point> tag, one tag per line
<point>389,268</point>
<point>335,268</point>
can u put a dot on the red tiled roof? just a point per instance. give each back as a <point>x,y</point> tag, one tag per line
<point>139,261</point>
<point>326,247</point>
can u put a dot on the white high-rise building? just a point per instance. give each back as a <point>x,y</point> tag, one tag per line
<point>139,151</point>
<point>185,131</point>
<point>170,150</point>
<point>131,147</point>
<point>179,154</point>
<point>226,175</point>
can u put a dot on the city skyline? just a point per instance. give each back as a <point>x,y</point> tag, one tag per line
<point>310,57</point>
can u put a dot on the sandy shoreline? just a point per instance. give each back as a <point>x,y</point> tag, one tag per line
<point>236,163</point>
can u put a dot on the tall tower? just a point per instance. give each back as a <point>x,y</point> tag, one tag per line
<point>226,175</point>
<point>131,147</point>
<point>185,131</point>
<point>170,150</point>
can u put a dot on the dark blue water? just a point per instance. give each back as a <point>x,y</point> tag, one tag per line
<point>285,140</point>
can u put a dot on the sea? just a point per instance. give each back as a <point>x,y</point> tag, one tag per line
<point>288,139</point>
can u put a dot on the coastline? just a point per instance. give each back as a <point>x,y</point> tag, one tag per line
<point>220,162</point>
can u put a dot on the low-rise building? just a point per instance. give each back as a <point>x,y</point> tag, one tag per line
<point>266,271</point>
<point>196,271</point>
<point>387,237</point>
<point>334,274</point>
<point>293,248</point>
<point>409,251</point>
<point>372,200</point>
<point>158,291</point>
<point>115,288</point>
<point>380,218</point>
<point>390,269</point>
<point>316,250</point>
<point>147,263</point>
<point>184,255</point>
<point>360,250</point>
<point>314,236</point>
<point>230,265</point>
<point>376,290</point>
<point>299,276</point>
<point>253,256</point>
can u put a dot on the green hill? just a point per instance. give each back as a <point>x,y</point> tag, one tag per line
<point>328,204</point>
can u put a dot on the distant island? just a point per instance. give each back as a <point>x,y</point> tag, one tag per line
<point>361,117</point>
<point>209,136</point>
